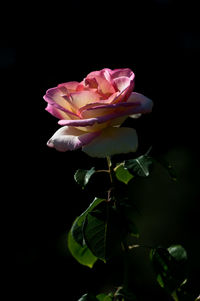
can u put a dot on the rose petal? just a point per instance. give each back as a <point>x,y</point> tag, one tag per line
<point>122,72</point>
<point>109,78</point>
<point>122,83</point>
<point>77,123</point>
<point>104,86</point>
<point>100,119</point>
<point>82,98</point>
<point>140,105</point>
<point>109,100</point>
<point>145,106</point>
<point>56,98</point>
<point>94,74</point>
<point>57,113</point>
<point>68,87</point>
<point>124,110</point>
<point>67,138</point>
<point>104,109</point>
<point>103,81</point>
<point>54,95</point>
<point>113,141</point>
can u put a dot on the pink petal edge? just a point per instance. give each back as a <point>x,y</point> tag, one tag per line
<point>67,138</point>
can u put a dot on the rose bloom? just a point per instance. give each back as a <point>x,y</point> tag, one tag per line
<point>92,111</point>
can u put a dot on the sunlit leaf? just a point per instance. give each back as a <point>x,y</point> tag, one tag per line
<point>83,176</point>
<point>77,232</point>
<point>82,254</point>
<point>122,173</point>
<point>95,233</point>
<point>101,232</point>
<point>178,252</point>
<point>78,224</point>
<point>139,166</point>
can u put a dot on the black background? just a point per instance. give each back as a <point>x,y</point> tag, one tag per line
<point>43,46</point>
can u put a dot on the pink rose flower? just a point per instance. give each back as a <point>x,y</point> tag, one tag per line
<point>92,111</point>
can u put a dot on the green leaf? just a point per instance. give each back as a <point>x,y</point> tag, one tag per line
<point>104,297</point>
<point>83,176</point>
<point>139,166</point>
<point>82,254</point>
<point>95,233</point>
<point>88,297</point>
<point>77,232</point>
<point>101,297</point>
<point>170,268</point>
<point>101,232</point>
<point>178,252</point>
<point>160,280</point>
<point>122,174</point>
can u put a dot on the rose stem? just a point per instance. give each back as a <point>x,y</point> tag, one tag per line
<point>110,168</point>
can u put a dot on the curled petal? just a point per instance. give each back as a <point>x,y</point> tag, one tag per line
<point>54,97</point>
<point>101,80</point>
<point>104,86</point>
<point>104,109</point>
<point>126,111</point>
<point>112,141</point>
<point>68,87</point>
<point>68,138</point>
<point>145,104</point>
<point>122,72</point>
<point>107,114</point>
<point>100,102</point>
<point>60,114</point>
<point>112,99</point>
<point>122,83</point>
<point>136,105</point>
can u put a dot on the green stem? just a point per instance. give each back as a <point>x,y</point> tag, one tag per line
<point>110,170</point>
<point>125,246</point>
<point>102,170</point>
<point>126,264</point>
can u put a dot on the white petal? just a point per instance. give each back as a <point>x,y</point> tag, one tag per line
<point>70,138</point>
<point>145,104</point>
<point>113,141</point>
<point>135,116</point>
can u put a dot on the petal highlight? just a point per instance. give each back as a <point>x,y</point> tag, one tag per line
<point>67,138</point>
<point>112,141</point>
